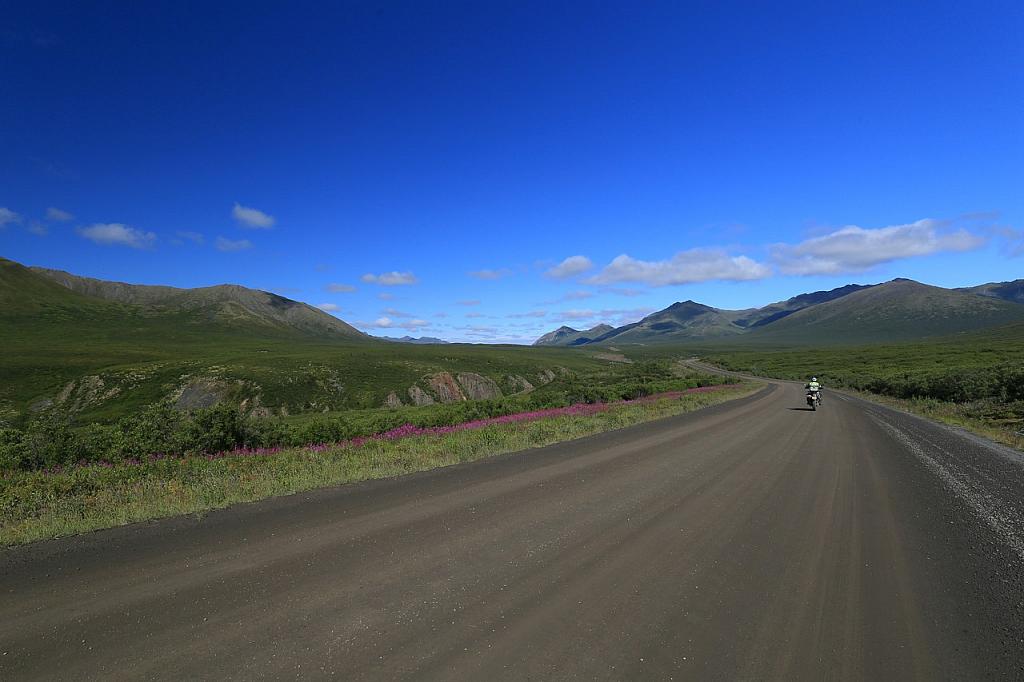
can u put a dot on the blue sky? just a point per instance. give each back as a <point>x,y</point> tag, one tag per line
<point>489,171</point>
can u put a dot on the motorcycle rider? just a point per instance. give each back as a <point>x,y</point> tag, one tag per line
<point>814,387</point>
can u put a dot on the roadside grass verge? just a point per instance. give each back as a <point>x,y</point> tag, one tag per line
<point>1008,432</point>
<point>37,505</point>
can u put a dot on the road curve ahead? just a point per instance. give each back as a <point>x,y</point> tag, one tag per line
<point>752,540</point>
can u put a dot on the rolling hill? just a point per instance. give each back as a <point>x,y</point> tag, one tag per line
<point>1007,291</point>
<point>567,336</point>
<point>899,310</point>
<point>227,304</point>
<point>686,320</point>
<point>99,350</point>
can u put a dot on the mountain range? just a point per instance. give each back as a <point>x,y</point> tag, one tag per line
<point>898,310</point>
<point>104,349</point>
<point>52,302</point>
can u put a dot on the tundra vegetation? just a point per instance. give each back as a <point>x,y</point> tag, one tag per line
<point>162,462</point>
<point>971,380</point>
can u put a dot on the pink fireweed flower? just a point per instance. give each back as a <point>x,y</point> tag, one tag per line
<point>411,430</point>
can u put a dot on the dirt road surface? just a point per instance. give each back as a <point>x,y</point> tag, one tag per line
<point>753,540</point>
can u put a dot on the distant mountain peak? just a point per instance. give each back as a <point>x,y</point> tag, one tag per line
<point>567,336</point>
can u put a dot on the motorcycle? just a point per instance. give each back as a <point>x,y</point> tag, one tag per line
<point>813,399</point>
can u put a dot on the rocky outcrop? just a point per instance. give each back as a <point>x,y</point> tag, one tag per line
<point>82,393</point>
<point>200,393</point>
<point>478,387</point>
<point>419,397</point>
<point>517,384</point>
<point>445,388</point>
<point>393,400</point>
<point>613,357</point>
<point>546,377</point>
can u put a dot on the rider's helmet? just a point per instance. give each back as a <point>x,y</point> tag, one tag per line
<point>814,378</point>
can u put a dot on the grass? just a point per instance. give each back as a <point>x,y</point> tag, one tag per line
<point>974,380</point>
<point>954,414</point>
<point>37,505</point>
<point>52,336</point>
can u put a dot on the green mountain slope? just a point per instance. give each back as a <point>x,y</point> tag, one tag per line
<point>685,320</point>
<point>759,317</point>
<point>101,358</point>
<point>567,336</point>
<point>895,311</point>
<point>226,304</point>
<point>1007,291</point>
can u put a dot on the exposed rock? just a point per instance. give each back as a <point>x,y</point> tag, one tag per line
<point>40,405</point>
<point>518,384</point>
<point>445,388</point>
<point>200,393</point>
<point>82,393</point>
<point>393,400</point>
<point>478,387</point>
<point>546,377</point>
<point>613,357</point>
<point>255,407</point>
<point>419,397</point>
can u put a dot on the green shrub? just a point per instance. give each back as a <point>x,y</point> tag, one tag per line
<point>321,430</point>
<point>50,441</point>
<point>10,448</point>
<point>155,430</point>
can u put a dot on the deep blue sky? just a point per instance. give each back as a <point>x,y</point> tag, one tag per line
<point>450,138</point>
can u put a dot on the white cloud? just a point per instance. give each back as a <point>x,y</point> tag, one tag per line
<point>532,313</point>
<point>390,279</point>
<point>578,295</point>
<point>397,313</point>
<point>695,265</point>
<point>576,314</point>
<point>57,215</point>
<point>119,235</point>
<point>252,217</point>
<point>856,249</point>
<point>490,274</point>
<point>570,267</point>
<point>618,291</point>
<point>193,237</point>
<point>336,288</point>
<point>39,229</point>
<point>1013,241</point>
<point>8,216</point>
<point>230,245</point>
<point>387,323</point>
<point>474,315</point>
<point>329,307</point>
<point>386,296</point>
<point>614,316</point>
<point>471,301</point>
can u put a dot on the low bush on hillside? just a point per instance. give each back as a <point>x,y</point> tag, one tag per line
<point>52,440</point>
<point>45,504</point>
<point>966,383</point>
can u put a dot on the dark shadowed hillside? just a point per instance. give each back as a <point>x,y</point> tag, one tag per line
<point>686,320</point>
<point>226,304</point>
<point>567,336</point>
<point>898,310</point>
<point>1007,291</point>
